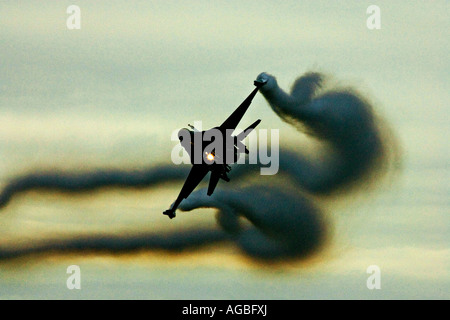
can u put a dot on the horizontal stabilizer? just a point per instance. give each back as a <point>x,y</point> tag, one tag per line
<point>259,83</point>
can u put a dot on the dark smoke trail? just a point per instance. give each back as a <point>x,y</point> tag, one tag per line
<point>283,218</point>
<point>89,181</point>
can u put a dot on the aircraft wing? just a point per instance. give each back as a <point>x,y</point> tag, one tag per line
<point>233,120</point>
<point>196,175</point>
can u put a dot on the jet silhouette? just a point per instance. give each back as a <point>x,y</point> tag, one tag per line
<point>221,153</point>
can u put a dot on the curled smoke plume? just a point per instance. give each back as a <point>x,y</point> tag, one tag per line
<point>275,218</point>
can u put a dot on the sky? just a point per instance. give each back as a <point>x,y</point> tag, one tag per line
<point>110,94</point>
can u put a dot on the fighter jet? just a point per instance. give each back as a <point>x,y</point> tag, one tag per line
<point>217,155</point>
